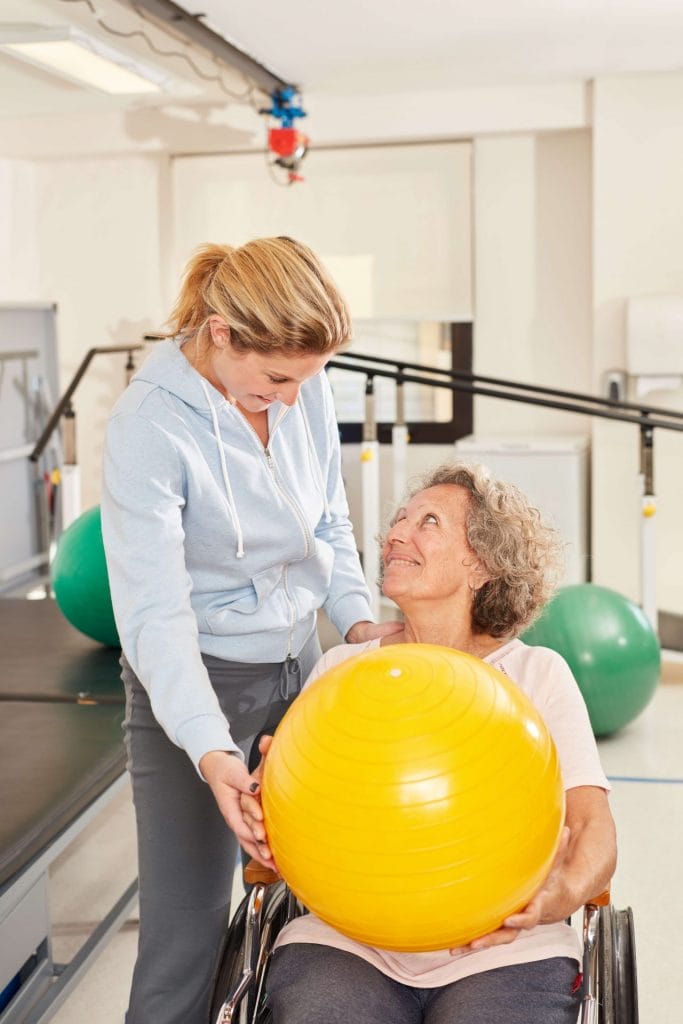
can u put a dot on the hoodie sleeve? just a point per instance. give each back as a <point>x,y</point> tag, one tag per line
<point>348,599</point>
<point>142,502</point>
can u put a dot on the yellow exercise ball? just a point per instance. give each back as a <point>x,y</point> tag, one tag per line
<point>413,798</point>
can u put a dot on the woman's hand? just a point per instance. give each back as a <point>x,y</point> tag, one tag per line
<point>229,779</point>
<point>584,863</point>
<point>252,811</point>
<point>363,631</point>
<point>535,912</point>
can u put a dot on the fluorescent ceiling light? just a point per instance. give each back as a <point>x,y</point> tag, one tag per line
<point>80,58</point>
<point>71,60</point>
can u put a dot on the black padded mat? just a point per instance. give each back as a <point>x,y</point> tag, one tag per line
<point>56,759</point>
<point>42,657</point>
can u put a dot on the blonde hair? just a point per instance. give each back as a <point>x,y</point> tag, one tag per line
<point>273,293</point>
<point>521,553</point>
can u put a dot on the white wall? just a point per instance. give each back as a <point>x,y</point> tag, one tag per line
<point>400,215</point>
<point>417,113</point>
<point>532,275</point>
<point>85,234</point>
<point>19,252</point>
<point>638,249</point>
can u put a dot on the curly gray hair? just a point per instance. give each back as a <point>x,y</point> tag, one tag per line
<point>522,554</point>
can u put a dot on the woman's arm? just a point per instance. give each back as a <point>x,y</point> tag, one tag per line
<point>142,502</point>
<point>583,868</point>
<point>589,863</point>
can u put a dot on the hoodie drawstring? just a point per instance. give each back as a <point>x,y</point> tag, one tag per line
<point>313,459</point>
<point>239,553</point>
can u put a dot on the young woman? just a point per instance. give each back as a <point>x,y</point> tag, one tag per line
<point>226,528</point>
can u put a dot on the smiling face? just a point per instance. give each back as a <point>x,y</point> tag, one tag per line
<point>255,381</point>
<point>426,555</point>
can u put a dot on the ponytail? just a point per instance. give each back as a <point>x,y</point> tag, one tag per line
<point>192,307</point>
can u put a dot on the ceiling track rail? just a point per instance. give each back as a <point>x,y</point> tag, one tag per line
<point>181,22</point>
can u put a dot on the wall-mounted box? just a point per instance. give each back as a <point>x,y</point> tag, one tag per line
<point>654,335</point>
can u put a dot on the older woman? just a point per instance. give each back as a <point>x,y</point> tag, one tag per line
<point>470,563</point>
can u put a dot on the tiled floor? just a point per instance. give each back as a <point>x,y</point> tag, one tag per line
<point>645,763</point>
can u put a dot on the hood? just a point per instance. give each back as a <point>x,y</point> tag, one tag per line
<point>166,367</point>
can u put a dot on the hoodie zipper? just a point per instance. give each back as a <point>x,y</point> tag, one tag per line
<point>272,466</point>
<point>270,462</point>
<point>308,538</point>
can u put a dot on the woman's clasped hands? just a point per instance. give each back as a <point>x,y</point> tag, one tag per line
<point>237,794</point>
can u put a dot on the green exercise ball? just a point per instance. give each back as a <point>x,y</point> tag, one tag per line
<point>610,647</point>
<point>80,581</point>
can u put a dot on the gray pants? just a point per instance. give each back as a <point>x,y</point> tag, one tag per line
<point>313,984</point>
<point>186,853</point>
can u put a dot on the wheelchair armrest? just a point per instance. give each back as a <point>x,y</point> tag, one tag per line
<point>602,900</point>
<point>255,874</point>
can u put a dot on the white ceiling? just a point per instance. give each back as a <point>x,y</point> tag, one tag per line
<point>391,44</point>
<point>335,51</point>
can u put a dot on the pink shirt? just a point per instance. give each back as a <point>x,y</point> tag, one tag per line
<point>547,680</point>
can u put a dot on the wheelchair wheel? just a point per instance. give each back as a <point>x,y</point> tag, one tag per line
<point>246,952</point>
<point>607,1009</point>
<point>617,975</point>
<point>625,950</point>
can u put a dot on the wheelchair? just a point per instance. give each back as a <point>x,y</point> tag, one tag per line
<point>239,995</point>
<point>610,994</point>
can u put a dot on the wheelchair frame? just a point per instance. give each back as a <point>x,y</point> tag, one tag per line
<point>238,995</point>
<point>610,993</point>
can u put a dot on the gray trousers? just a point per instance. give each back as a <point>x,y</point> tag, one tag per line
<point>186,852</point>
<point>313,984</point>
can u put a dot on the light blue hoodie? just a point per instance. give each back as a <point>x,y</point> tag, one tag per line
<point>216,544</point>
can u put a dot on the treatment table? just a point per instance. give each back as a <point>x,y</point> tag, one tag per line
<point>62,761</point>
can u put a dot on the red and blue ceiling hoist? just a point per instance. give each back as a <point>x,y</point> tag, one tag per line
<point>287,143</point>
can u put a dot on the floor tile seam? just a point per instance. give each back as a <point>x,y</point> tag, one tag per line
<point>666,781</point>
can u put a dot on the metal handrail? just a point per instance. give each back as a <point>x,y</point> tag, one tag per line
<point>63,407</point>
<point>646,421</point>
<point>402,364</point>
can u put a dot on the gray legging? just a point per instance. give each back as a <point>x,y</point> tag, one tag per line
<point>313,984</point>
<point>186,853</point>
